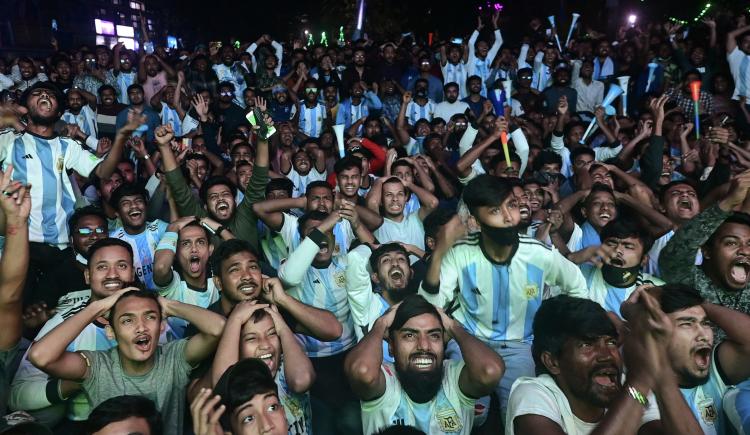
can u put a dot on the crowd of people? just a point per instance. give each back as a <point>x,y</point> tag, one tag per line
<point>380,237</point>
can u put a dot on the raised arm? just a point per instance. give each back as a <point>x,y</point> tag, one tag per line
<point>315,322</point>
<point>209,324</point>
<point>300,260</point>
<point>165,251</point>
<point>270,210</point>
<point>15,202</point>
<point>732,37</point>
<point>362,365</point>
<point>105,169</point>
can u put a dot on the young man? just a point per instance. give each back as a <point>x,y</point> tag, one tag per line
<point>136,364</point>
<point>131,202</point>
<point>250,403</point>
<point>349,179</point>
<point>303,168</point>
<point>138,104</point>
<point>181,269</point>
<point>420,388</point>
<point>132,415</point>
<point>451,106</point>
<point>259,331</point>
<point>217,194</point>
<point>53,193</point>
<point>312,113</point>
<point>619,260</point>
<point>80,113</point>
<point>500,275</point>
<point>110,268</point>
<point>315,275</point>
<point>481,56</point>
<point>357,106</point>
<point>391,196</point>
<point>454,69</point>
<point>721,236</point>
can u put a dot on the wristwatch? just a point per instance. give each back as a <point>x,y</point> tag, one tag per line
<point>220,230</point>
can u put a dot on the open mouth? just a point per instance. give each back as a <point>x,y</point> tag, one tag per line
<point>702,357</point>
<point>666,174</point>
<point>267,358</point>
<point>222,207</point>
<point>248,288</point>
<point>143,343</point>
<point>606,378</point>
<point>740,270</point>
<point>605,216</point>
<point>195,263</point>
<point>423,361</point>
<point>617,262</point>
<point>134,214</point>
<point>323,248</point>
<point>685,204</point>
<point>397,276</point>
<point>44,103</point>
<point>113,284</point>
<point>524,211</point>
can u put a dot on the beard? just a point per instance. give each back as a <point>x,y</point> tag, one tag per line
<point>421,386</point>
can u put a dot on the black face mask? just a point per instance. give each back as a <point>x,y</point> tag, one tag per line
<point>620,276</point>
<point>501,236</point>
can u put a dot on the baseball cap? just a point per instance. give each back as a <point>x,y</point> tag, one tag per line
<point>24,423</point>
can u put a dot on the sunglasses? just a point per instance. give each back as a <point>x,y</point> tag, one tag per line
<point>89,231</point>
<point>313,90</point>
<point>226,94</point>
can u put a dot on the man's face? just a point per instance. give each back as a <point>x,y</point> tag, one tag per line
<point>241,277</point>
<point>135,95</point>
<point>482,49</point>
<point>349,181</point>
<point>628,251</point>
<point>330,94</point>
<point>63,70</point>
<point>102,57</point>
<point>75,101</point>
<point>536,196</point>
<point>503,170</point>
<point>320,199</point>
<point>372,128</point>
<point>394,272</point>
<point>524,208</point>
<point>131,425</point>
<point>226,95</point>
<point>43,107</point>
<point>108,97</point>
<point>691,346</point>
<point>587,70</point>
<point>193,250</point>
<point>575,134</point>
<point>220,202</point>
<point>475,86</point>
<point>601,175</point>
<point>244,173</point>
<point>745,44</point>
<point>27,69</point>
<point>404,173</point>
<point>240,153</point>
<point>359,58</point>
<point>90,225</point>
<point>418,350</point>
<point>126,63</point>
<point>729,256</point>
<point>389,53</point>
<point>259,340</point>
<point>152,66</point>
<point>600,209</point>
<point>201,169</point>
<point>505,215</point>
<point>109,185</point>
<point>562,77</point>
<point>454,55</point>
<point>126,169</point>
<point>681,203</point>
<point>227,55</point>
<point>603,49</point>
<point>137,325</point>
<point>550,54</point>
<point>451,94</point>
<point>524,79</point>
<point>325,253</point>
<point>425,65</point>
<point>132,210</point>
<point>270,62</point>
<point>583,162</point>
<point>698,56</point>
<point>263,414</point>
<point>591,369</point>
<point>110,269</point>
<point>394,199</point>
<point>302,163</point>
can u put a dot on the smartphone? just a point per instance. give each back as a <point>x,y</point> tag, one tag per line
<point>186,142</point>
<point>458,41</point>
<point>54,25</point>
<point>148,47</point>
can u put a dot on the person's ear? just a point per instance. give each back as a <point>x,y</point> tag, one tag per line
<point>374,277</point>
<point>429,241</point>
<point>583,212</point>
<point>217,282</point>
<point>109,332</point>
<point>550,363</point>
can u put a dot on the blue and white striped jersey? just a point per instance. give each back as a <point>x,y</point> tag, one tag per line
<point>342,233</point>
<point>415,112</point>
<point>170,116</point>
<point>144,246</point>
<point>296,406</point>
<point>178,290</point>
<point>123,80</point>
<point>609,296</point>
<point>706,401</point>
<point>85,120</point>
<point>311,119</point>
<point>458,74</point>
<point>497,302</point>
<point>43,162</point>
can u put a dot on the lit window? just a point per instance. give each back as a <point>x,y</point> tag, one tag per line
<point>135,5</point>
<point>104,27</point>
<point>125,31</point>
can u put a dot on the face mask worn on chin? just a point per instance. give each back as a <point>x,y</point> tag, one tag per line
<point>501,236</point>
<point>620,276</point>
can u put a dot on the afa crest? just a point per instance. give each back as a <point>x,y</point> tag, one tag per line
<point>448,420</point>
<point>340,279</point>
<point>708,413</point>
<point>531,291</point>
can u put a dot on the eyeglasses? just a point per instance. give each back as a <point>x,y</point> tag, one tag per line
<point>226,94</point>
<point>313,90</point>
<point>124,60</point>
<point>90,231</point>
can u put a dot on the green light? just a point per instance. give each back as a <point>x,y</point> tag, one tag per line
<point>324,39</point>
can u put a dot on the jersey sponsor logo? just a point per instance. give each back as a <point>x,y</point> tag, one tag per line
<point>28,156</point>
<point>448,420</point>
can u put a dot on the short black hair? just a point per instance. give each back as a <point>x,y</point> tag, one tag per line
<point>547,157</point>
<point>579,151</point>
<point>228,248</point>
<point>347,162</point>
<point>400,430</point>
<point>450,85</point>
<point>312,215</point>
<point>676,297</point>
<point>284,184</point>
<point>89,210</point>
<point>218,180</point>
<point>597,187</point>
<point>103,88</point>
<point>626,228</point>
<point>436,219</point>
<point>411,306</point>
<point>241,382</point>
<point>134,86</point>
<point>385,248</point>
<point>121,408</point>
<point>564,317</point>
<point>486,191</point>
<point>402,162</point>
<point>735,218</point>
<point>127,189</point>
<point>107,242</point>
<point>316,184</point>
<point>671,184</point>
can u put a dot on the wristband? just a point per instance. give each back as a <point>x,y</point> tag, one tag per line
<point>168,241</point>
<point>220,230</point>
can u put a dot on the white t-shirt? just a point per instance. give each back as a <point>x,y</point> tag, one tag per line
<point>450,412</point>
<point>445,109</point>
<point>410,230</point>
<point>739,65</point>
<point>301,181</point>
<point>542,396</point>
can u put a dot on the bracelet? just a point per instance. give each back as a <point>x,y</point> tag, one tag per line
<point>637,396</point>
<point>168,241</point>
<point>146,157</point>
